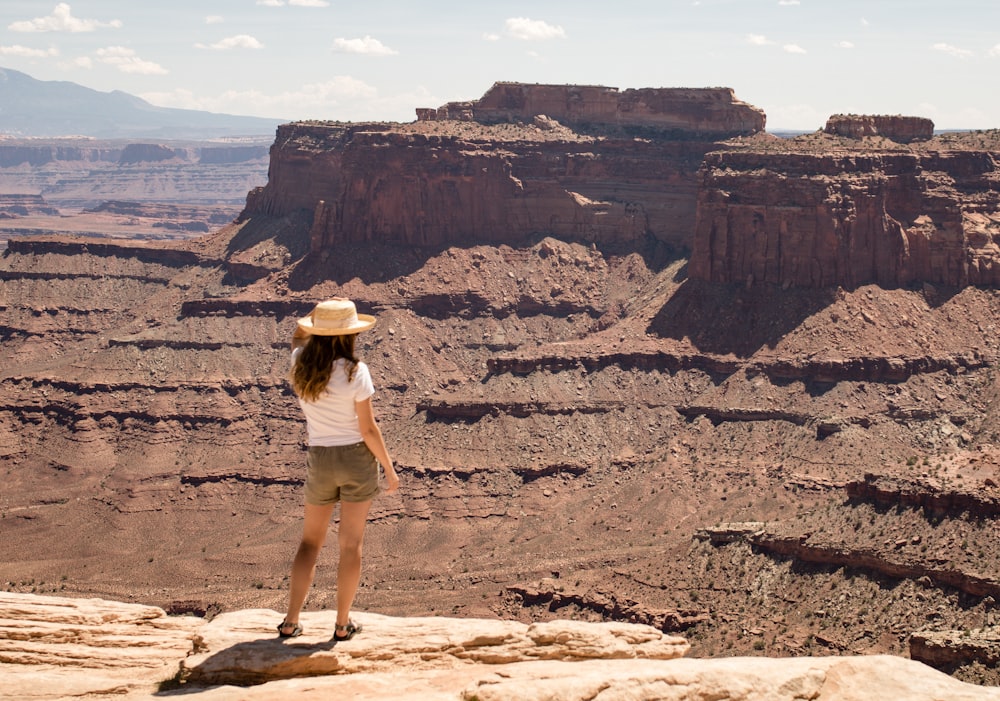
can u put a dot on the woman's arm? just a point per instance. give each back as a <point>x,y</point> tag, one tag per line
<point>372,436</point>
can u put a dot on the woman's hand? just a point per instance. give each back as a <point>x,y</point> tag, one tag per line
<point>391,480</point>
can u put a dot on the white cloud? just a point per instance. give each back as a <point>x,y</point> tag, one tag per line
<point>489,36</point>
<point>864,22</point>
<point>240,41</point>
<point>61,20</point>
<point>758,40</point>
<point>844,45</point>
<point>214,19</point>
<point>793,49</point>
<point>368,46</point>
<point>788,2</point>
<point>271,3</point>
<point>995,51</point>
<point>952,50</point>
<point>26,52</point>
<point>126,61</point>
<point>533,29</point>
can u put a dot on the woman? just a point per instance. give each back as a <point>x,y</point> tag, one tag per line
<point>345,450</point>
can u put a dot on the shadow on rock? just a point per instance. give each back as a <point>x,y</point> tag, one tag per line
<point>370,263</point>
<point>725,319</point>
<point>242,664</point>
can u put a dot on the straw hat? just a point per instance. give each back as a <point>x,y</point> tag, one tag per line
<point>335,317</point>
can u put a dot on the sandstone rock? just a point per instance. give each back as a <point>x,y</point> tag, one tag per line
<point>54,648</point>
<point>917,493</point>
<point>875,678</point>
<point>806,549</point>
<point>895,127</point>
<point>729,532</point>
<point>240,648</point>
<point>12,205</point>
<point>555,595</point>
<point>140,153</point>
<point>412,185</point>
<point>714,112</point>
<point>847,218</point>
<point>948,650</point>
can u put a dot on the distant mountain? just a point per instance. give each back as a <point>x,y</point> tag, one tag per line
<point>30,107</point>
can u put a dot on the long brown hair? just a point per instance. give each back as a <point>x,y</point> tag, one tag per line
<point>314,364</point>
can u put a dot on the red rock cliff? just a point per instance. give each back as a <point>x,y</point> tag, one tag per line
<point>849,218</point>
<point>507,167</point>
<point>705,112</point>
<point>895,127</point>
<point>433,183</point>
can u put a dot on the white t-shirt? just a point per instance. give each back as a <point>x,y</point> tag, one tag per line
<point>333,419</point>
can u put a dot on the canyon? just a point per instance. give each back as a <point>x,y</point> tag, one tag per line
<point>639,362</point>
<point>125,189</point>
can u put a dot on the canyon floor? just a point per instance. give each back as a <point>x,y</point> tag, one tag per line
<point>582,432</point>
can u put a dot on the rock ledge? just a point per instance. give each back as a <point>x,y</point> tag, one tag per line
<point>54,648</point>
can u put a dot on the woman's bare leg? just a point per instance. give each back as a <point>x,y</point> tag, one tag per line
<point>353,516</point>
<point>317,521</point>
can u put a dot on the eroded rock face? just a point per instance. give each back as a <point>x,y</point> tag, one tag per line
<point>828,218</point>
<point>431,183</point>
<point>506,167</point>
<point>685,112</point>
<point>141,153</point>
<point>53,647</point>
<point>948,650</point>
<point>895,127</point>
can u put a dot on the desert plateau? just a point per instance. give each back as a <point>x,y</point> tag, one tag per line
<point>639,362</point>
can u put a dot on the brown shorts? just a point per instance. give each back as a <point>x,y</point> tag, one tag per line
<point>340,473</point>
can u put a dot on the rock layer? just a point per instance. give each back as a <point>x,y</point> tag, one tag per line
<point>895,127</point>
<point>683,112</point>
<point>848,218</point>
<point>405,184</point>
<point>53,648</point>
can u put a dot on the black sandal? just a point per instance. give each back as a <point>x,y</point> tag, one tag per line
<point>296,630</point>
<point>349,630</point>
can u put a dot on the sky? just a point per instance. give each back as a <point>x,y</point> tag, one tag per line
<point>798,60</point>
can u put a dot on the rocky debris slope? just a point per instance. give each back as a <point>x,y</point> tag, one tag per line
<point>54,647</point>
<point>602,428</point>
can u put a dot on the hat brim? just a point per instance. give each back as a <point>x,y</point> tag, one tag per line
<point>365,322</point>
